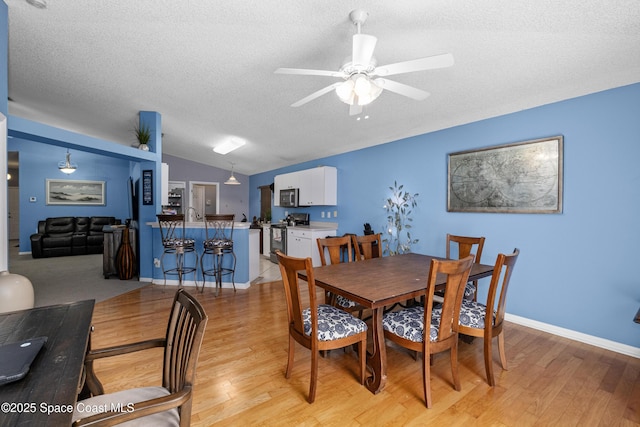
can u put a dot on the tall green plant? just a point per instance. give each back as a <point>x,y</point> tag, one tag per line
<point>399,206</point>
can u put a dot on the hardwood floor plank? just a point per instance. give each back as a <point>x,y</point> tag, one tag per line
<point>632,412</point>
<point>583,387</point>
<point>240,376</point>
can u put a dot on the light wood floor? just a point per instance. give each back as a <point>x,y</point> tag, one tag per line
<point>550,381</point>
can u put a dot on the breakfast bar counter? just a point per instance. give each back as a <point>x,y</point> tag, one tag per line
<point>246,245</point>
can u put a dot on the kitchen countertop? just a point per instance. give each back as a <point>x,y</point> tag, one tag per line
<point>313,226</point>
<point>200,224</point>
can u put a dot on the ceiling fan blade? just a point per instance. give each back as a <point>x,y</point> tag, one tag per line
<point>355,109</point>
<point>428,63</point>
<point>402,89</point>
<point>316,94</point>
<point>306,72</point>
<point>363,47</point>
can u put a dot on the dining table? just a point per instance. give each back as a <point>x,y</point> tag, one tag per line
<point>378,283</point>
<point>47,395</point>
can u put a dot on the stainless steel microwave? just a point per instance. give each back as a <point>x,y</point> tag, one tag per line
<point>289,198</point>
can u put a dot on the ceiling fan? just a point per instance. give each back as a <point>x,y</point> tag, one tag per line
<point>362,79</point>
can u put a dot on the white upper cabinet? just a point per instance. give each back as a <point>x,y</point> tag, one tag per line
<point>318,186</point>
<point>285,181</point>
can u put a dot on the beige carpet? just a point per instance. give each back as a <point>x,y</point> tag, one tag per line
<point>65,279</point>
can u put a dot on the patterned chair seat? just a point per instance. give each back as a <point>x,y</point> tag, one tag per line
<point>344,303</point>
<point>472,314</point>
<point>409,323</point>
<point>333,323</point>
<point>218,244</point>
<point>176,243</point>
<point>469,291</point>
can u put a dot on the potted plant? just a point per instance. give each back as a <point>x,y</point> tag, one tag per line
<point>398,206</point>
<point>143,135</point>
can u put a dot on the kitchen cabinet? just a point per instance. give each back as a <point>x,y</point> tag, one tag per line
<point>287,180</point>
<point>301,242</point>
<point>318,186</point>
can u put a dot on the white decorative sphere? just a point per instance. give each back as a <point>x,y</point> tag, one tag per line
<point>16,292</point>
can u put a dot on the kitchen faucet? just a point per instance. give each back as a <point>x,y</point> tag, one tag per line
<point>198,216</point>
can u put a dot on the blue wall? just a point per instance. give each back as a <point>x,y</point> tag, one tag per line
<point>576,269</point>
<point>39,162</point>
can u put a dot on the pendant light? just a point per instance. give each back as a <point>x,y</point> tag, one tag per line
<point>232,179</point>
<point>66,166</point>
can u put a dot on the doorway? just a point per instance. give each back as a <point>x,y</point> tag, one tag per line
<point>265,202</point>
<point>203,199</point>
<point>13,195</point>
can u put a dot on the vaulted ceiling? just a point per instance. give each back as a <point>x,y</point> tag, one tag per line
<point>208,68</point>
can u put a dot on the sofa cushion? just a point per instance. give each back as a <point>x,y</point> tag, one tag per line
<point>60,227</point>
<point>97,222</point>
<point>82,224</point>
<point>56,241</point>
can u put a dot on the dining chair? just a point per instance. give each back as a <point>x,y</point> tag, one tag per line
<point>338,249</point>
<point>467,245</point>
<point>175,242</point>
<point>367,246</point>
<point>408,327</point>
<point>474,315</point>
<point>318,327</point>
<point>165,405</point>
<point>218,245</point>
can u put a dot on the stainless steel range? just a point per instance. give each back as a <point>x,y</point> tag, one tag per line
<point>278,234</point>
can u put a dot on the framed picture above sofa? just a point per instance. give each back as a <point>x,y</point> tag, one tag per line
<point>73,192</point>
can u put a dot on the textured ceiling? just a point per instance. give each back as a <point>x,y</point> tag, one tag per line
<point>208,68</point>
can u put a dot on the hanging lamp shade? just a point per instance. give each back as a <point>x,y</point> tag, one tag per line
<point>67,166</point>
<point>232,179</point>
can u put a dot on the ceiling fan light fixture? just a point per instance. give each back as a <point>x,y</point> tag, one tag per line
<point>345,91</point>
<point>371,95</point>
<point>360,72</point>
<point>358,89</point>
<point>362,86</point>
<point>67,166</point>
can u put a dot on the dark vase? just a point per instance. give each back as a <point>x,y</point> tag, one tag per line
<point>125,258</point>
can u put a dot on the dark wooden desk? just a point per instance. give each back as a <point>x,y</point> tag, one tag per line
<point>377,283</point>
<point>52,382</point>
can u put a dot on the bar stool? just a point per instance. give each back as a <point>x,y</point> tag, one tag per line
<point>175,243</point>
<point>218,243</point>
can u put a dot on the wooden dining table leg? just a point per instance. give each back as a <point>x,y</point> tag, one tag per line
<point>377,359</point>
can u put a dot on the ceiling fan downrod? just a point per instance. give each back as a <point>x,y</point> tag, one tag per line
<point>358,17</point>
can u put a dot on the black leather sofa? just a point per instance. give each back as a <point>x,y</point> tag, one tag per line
<point>68,235</point>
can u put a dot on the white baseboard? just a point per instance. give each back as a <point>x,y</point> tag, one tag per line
<point>175,282</point>
<point>576,336</point>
